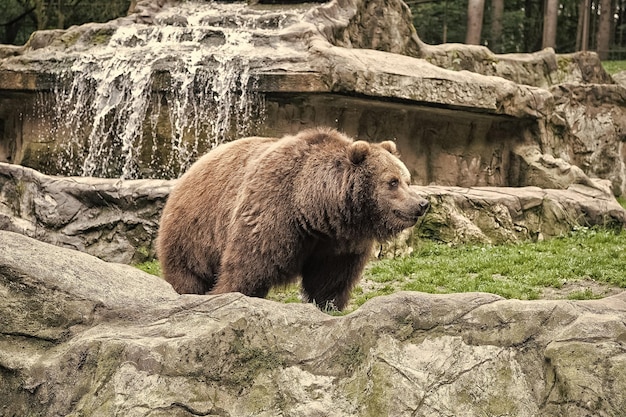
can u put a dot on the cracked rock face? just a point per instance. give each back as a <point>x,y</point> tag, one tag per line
<point>83,337</point>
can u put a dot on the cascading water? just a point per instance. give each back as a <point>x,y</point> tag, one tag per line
<point>188,74</point>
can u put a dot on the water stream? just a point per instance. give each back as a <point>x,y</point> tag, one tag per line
<point>163,93</point>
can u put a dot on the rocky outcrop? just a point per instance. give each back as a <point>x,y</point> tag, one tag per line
<point>588,130</point>
<point>503,214</point>
<point>79,336</point>
<point>118,220</point>
<point>542,69</point>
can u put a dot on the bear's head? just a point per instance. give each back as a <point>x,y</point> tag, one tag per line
<point>392,203</point>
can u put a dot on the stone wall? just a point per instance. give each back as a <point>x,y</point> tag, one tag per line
<point>440,146</point>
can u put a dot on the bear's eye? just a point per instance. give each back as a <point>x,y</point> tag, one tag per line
<point>393,183</point>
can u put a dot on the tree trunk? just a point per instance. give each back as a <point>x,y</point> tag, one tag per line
<point>579,26</point>
<point>549,24</point>
<point>40,14</point>
<point>475,10</point>
<point>582,35</point>
<point>497,11</point>
<point>527,26</point>
<point>603,35</point>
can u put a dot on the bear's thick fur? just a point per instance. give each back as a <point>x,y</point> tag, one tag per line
<point>259,212</point>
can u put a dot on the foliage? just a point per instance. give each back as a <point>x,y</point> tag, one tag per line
<point>519,24</point>
<point>433,18</point>
<point>586,294</point>
<point>288,294</point>
<point>151,267</point>
<point>19,18</point>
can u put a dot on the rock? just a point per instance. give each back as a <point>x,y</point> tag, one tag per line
<point>83,337</point>
<point>545,171</point>
<point>379,74</point>
<point>117,220</point>
<point>620,78</point>
<point>384,26</point>
<point>543,68</point>
<point>507,214</point>
<point>593,124</point>
<point>112,219</point>
<point>7,51</point>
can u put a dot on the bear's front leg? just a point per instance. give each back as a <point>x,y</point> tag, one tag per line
<point>328,280</point>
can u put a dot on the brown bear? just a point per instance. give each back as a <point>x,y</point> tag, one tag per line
<point>260,212</point>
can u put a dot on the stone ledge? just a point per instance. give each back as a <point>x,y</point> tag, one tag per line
<point>80,336</point>
<point>510,214</point>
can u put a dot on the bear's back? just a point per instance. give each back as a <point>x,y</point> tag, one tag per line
<point>195,219</point>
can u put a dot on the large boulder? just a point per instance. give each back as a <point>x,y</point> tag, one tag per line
<point>506,214</point>
<point>79,336</point>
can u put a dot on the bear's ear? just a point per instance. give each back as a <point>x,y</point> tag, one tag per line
<point>358,151</point>
<point>390,147</point>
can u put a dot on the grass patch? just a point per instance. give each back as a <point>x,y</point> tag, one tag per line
<point>152,267</point>
<point>288,294</point>
<point>613,67</point>
<point>622,201</point>
<point>524,270</point>
<point>586,294</point>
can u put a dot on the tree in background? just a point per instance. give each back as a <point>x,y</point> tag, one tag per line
<point>497,13</point>
<point>605,24</point>
<point>550,19</point>
<point>527,25</point>
<point>19,18</point>
<point>475,10</point>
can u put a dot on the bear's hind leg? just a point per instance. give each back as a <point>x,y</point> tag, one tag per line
<point>226,284</point>
<point>185,281</point>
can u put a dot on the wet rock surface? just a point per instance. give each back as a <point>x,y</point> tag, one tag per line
<point>82,336</point>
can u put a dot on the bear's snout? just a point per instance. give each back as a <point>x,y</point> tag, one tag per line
<point>422,206</point>
<point>418,207</point>
<point>410,210</point>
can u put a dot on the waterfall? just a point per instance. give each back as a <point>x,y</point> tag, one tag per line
<point>188,75</point>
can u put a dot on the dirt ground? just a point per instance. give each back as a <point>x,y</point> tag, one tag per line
<point>599,289</point>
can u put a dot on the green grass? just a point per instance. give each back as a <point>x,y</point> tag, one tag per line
<point>586,294</point>
<point>613,67</point>
<point>522,271</point>
<point>151,267</point>
<point>519,271</point>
